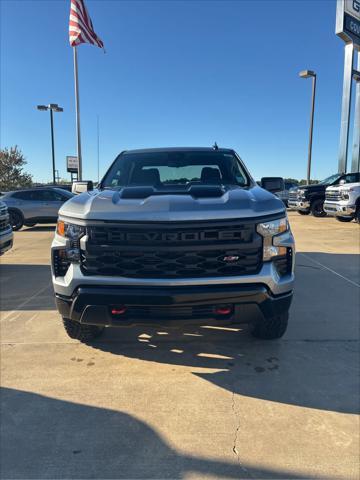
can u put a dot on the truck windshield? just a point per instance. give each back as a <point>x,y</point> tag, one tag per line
<point>330,179</point>
<point>175,168</point>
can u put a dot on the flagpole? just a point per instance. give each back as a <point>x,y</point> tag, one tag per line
<point>77,104</point>
<point>98,148</point>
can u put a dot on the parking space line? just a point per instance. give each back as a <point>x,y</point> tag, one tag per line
<point>330,270</point>
<point>39,292</point>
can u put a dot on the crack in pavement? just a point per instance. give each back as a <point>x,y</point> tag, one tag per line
<point>234,448</point>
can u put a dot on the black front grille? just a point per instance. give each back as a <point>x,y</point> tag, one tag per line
<point>172,251</point>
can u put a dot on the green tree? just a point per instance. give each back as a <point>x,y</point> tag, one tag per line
<point>291,180</point>
<point>12,163</point>
<point>304,182</point>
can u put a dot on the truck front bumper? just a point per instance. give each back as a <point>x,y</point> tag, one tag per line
<point>292,204</point>
<point>339,209</point>
<point>214,304</point>
<point>303,205</point>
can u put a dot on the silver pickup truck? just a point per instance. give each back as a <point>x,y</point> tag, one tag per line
<point>174,236</point>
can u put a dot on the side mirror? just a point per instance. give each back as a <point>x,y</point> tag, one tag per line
<point>81,187</point>
<point>273,184</point>
<point>342,182</point>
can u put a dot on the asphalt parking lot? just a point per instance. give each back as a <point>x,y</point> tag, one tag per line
<point>193,403</point>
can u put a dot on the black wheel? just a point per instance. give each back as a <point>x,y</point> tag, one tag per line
<point>16,219</point>
<point>317,208</point>
<point>303,212</point>
<point>84,333</point>
<point>271,328</point>
<point>343,219</point>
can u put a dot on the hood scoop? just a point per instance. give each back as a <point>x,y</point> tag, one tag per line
<point>195,191</point>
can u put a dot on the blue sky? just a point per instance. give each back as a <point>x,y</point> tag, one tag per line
<point>175,74</point>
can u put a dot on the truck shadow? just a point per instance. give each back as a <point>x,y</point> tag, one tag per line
<point>44,437</point>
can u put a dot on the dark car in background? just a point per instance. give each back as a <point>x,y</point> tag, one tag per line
<point>310,198</point>
<point>34,205</point>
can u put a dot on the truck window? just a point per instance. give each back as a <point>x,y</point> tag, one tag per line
<point>351,178</point>
<point>182,168</point>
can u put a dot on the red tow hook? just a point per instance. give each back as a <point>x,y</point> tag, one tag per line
<point>223,309</point>
<point>120,310</point>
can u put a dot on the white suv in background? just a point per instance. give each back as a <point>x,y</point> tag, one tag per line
<point>343,201</point>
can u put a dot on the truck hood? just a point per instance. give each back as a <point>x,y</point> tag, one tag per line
<point>234,203</point>
<point>316,187</point>
<point>345,186</point>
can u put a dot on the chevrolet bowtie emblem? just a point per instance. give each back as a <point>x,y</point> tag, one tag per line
<point>231,258</point>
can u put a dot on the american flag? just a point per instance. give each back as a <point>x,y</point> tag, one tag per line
<point>81,29</point>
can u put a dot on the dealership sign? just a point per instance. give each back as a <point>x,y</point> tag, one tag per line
<point>348,21</point>
<point>72,164</point>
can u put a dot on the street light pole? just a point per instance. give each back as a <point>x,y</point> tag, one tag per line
<point>53,107</point>
<point>311,127</point>
<point>52,145</point>
<point>308,74</point>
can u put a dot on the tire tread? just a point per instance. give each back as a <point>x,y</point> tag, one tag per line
<point>272,327</point>
<point>84,333</point>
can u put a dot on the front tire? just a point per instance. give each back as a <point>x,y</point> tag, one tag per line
<point>84,333</point>
<point>343,219</point>
<point>303,212</point>
<point>271,328</point>
<point>16,219</point>
<point>317,208</point>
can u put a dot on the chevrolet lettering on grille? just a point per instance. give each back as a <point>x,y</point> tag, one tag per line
<point>175,236</point>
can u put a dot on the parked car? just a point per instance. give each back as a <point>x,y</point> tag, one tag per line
<point>284,194</point>
<point>34,205</point>
<point>174,236</point>
<point>65,186</point>
<point>6,233</point>
<point>343,201</point>
<point>310,198</point>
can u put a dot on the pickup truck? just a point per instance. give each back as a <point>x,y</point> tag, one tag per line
<point>310,198</point>
<point>343,201</point>
<point>174,236</point>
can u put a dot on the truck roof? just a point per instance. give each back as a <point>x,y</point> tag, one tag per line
<point>179,149</point>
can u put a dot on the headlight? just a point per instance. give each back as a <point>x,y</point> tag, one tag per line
<point>269,230</point>
<point>301,193</point>
<point>73,233</point>
<point>345,194</point>
<point>70,230</point>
